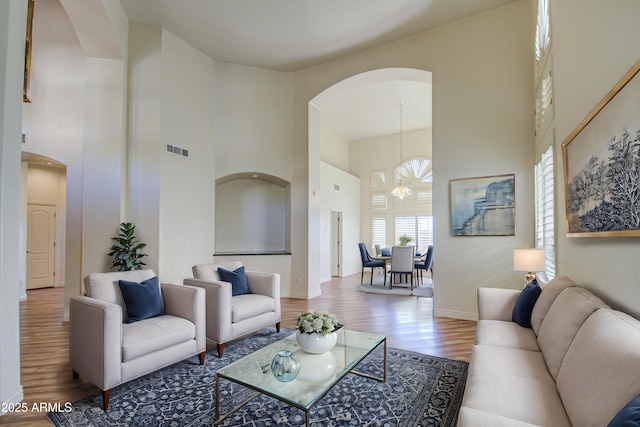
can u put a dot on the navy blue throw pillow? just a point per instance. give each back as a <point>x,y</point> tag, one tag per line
<point>142,300</point>
<point>524,305</point>
<point>629,416</point>
<point>237,278</point>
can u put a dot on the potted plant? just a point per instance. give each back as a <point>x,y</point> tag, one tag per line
<point>316,331</point>
<point>404,240</point>
<point>127,253</point>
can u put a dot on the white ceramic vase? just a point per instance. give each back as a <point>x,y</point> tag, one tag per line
<point>316,343</point>
<point>316,368</point>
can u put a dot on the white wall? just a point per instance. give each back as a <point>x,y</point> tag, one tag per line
<point>345,199</point>
<point>53,121</point>
<point>171,94</point>
<point>186,183</point>
<point>253,121</point>
<point>594,45</point>
<point>482,125</point>
<point>334,148</point>
<point>13,15</point>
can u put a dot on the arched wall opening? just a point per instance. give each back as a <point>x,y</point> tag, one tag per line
<point>252,215</point>
<point>339,184</point>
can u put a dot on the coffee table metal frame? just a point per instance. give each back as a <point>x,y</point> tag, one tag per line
<point>352,347</point>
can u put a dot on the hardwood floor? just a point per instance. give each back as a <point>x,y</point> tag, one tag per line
<point>408,323</point>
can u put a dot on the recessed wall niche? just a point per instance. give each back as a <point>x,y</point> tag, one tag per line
<point>252,214</point>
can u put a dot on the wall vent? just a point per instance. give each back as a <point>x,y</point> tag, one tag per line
<point>177,150</point>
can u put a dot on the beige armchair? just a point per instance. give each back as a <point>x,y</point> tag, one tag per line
<point>230,317</point>
<point>107,351</point>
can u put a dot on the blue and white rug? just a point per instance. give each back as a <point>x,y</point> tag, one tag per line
<point>420,390</point>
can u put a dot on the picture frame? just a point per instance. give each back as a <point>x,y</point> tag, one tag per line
<point>601,159</point>
<point>483,206</point>
<point>26,89</point>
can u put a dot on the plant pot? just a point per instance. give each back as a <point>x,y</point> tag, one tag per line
<point>316,343</point>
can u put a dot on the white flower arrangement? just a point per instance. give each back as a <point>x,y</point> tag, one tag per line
<point>318,321</point>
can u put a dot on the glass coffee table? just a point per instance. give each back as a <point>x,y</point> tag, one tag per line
<point>318,372</point>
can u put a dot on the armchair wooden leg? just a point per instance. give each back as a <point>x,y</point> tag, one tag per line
<point>278,327</point>
<point>220,349</point>
<point>106,395</point>
<point>202,355</point>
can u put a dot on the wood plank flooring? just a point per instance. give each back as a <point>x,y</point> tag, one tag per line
<point>408,323</point>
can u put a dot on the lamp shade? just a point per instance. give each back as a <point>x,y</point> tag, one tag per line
<point>528,260</point>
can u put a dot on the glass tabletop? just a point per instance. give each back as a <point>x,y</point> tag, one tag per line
<point>318,372</point>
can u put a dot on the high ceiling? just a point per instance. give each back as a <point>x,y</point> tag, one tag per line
<point>289,35</point>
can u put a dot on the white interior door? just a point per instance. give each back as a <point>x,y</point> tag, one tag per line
<point>336,244</point>
<point>41,224</point>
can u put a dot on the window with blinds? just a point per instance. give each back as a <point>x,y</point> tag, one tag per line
<point>544,102</point>
<point>544,206</point>
<point>542,44</point>
<point>378,201</point>
<point>379,231</point>
<point>392,217</point>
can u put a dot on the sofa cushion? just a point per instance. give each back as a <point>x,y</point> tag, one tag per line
<point>104,286</point>
<point>601,370</point>
<point>142,300</point>
<point>548,295</point>
<point>237,278</point>
<point>504,384</point>
<point>524,304</point>
<point>250,305</point>
<point>629,416</point>
<point>509,361</point>
<point>210,271</point>
<point>566,315</point>
<point>501,333</point>
<point>474,417</point>
<point>156,333</point>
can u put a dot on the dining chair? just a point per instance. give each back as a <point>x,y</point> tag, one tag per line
<point>368,262</point>
<point>426,264</point>
<point>402,263</point>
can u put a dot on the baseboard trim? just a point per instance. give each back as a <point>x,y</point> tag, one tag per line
<point>455,314</point>
<point>13,400</point>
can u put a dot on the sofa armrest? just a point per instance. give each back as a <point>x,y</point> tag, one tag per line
<point>496,303</point>
<point>218,307</point>
<point>187,302</point>
<point>264,284</point>
<point>95,340</point>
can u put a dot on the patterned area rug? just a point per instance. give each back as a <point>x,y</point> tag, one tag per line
<point>420,390</point>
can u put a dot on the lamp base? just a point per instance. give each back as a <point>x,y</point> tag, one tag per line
<point>529,277</point>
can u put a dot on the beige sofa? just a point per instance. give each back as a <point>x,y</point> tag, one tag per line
<point>578,364</point>
<point>107,351</point>
<point>230,317</point>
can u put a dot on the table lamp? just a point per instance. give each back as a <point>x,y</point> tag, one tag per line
<point>529,260</point>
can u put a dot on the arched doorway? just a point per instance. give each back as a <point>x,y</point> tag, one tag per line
<point>360,110</point>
